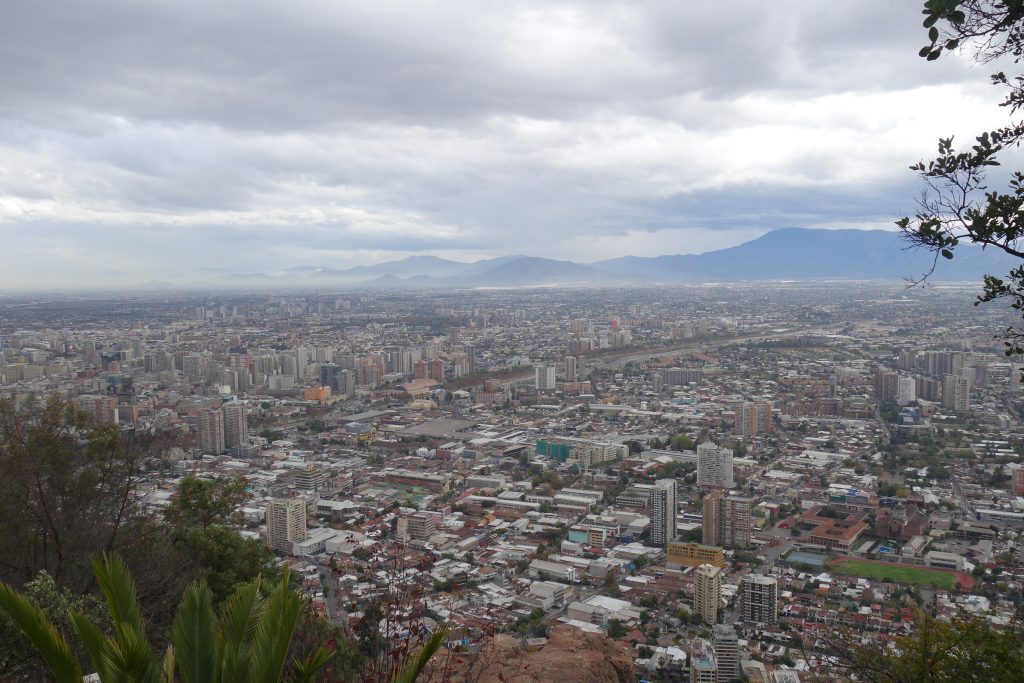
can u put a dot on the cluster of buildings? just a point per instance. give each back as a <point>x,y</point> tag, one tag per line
<point>699,473</point>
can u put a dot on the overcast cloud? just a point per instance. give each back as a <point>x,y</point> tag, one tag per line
<point>158,139</point>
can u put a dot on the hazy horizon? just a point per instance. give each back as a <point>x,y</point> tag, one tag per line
<point>143,142</point>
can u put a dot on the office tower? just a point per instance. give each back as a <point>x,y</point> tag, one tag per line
<point>663,512</point>
<point>707,592</point>
<point>329,374</point>
<point>454,334</point>
<point>727,651</point>
<point>703,667</point>
<point>714,466</point>
<point>570,368</point>
<point>211,431</point>
<point>759,599</point>
<point>956,393</point>
<point>906,390</point>
<point>545,377</point>
<point>286,523</point>
<point>236,425</point>
<point>754,418</point>
<point>908,360</point>
<point>728,520</point>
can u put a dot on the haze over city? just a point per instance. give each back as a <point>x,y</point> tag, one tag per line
<point>551,341</point>
<point>165,140</point>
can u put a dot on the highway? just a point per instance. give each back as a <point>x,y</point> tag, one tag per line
<point>652,354</point>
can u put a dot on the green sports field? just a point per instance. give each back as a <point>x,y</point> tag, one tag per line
<point>895,573</point>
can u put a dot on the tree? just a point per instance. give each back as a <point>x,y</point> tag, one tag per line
<point>202,502</point>
<point>66,491</point>
<point>681,442</point>
<point>956,205</point>
<point>964,650</point>
<point>616,629</point>
<point>202,518</point>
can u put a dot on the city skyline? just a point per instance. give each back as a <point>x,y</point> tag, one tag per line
<point>138,141</point>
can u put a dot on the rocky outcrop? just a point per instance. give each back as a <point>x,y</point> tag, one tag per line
<point>570,656</point>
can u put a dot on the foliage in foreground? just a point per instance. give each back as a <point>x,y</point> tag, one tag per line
<point>963,650</point>
<point>957,205</point>
<point>250,640</point>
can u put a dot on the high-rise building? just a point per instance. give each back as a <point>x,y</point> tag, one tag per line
<point>663,512</point>
<point>906,390</point>
<point>420,369</point>
<point>236,425</point>
<point>714,466</point>
<point>707,592</point>
<point>545,377</point>
<point>728,520</point>
<point>435,370</point>
<point>570,368</point>
<point>286,523</point>
<point>886,385</point>
<point>346,383</point>
<point>759,599</point>
<point>956,393</point>
<point>211,431</point>
<point>754,418</point>
<point>727,651</point>
<point>329,374</point>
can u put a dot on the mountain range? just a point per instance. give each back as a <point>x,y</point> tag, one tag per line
<point>786,254</point>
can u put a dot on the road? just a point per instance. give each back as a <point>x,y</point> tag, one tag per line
<point>961,499</point>
<point>651,354</point>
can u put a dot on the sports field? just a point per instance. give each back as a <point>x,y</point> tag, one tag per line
<point>884,571</point>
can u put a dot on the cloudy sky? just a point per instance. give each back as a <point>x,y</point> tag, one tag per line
<point>162,139</point>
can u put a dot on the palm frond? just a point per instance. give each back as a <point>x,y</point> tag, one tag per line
<point>273,635</point>
<point>235,632</point>
<point>118,588</point>
<point>48,641</point>
<point>168,668</point>
<point>414,665</point>
<point>99,646</point>
<point>306,670</point>
<point>193,635</point>
<point>138,661</point>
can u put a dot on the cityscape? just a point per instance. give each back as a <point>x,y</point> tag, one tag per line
<point>695,473</point>
<point>539,341</point>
